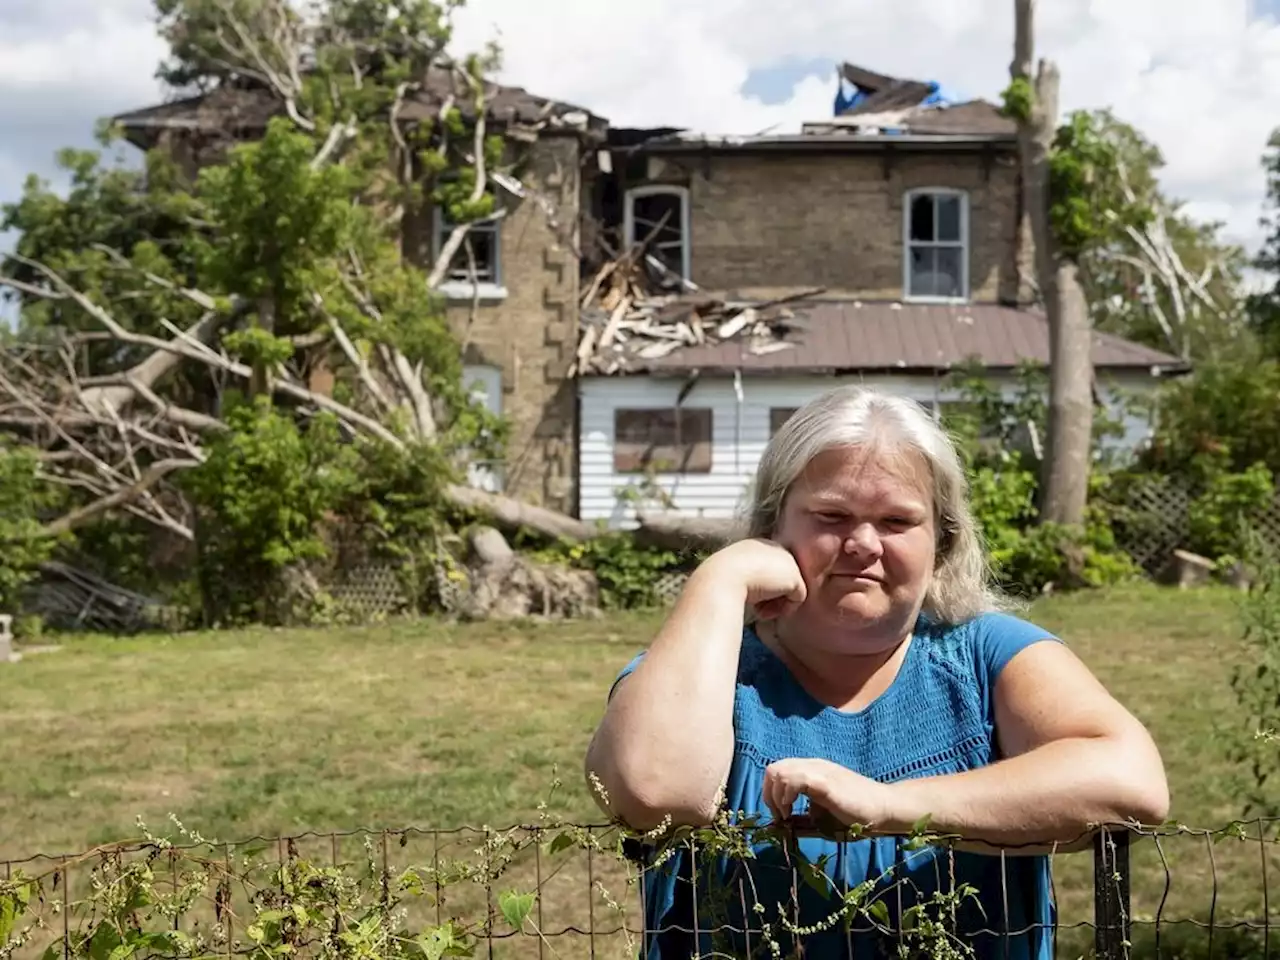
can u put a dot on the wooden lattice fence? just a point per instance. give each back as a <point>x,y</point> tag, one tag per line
<point>1152,518</point>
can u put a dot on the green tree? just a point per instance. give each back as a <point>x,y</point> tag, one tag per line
<point>150,299</point>
<point>1151,273</point>
<point>1264,307</point>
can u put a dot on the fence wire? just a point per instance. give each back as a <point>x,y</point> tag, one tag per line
<point>1168,892</point>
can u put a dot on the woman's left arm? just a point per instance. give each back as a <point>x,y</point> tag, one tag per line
<point>1073,757</point>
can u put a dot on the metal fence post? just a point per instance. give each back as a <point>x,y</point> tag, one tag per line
<point>1111,895</point>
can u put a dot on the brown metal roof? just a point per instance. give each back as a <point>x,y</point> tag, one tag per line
<point>247,108</point>
<point>890,336</point>
<point>972,117</point>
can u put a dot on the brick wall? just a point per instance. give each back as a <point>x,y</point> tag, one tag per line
<point>767,222</point>
<point>531,334</point>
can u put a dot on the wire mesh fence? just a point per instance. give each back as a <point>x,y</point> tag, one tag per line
<point>551,891</point>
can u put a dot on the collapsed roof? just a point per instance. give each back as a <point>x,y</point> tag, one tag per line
<point>881,110</point>
<point>888,106</point>
<point>246,107</point>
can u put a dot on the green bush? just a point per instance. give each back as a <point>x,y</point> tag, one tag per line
<point>628,574</point>
<point>23,544</point>
<point>1224,418</point>
<point>260,497</point>
<point>1219,517</point>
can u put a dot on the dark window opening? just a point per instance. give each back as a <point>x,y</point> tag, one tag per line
<point>664,440</point>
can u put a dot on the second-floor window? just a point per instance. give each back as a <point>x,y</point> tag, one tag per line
<point>484,241</point>
<point>649,206</point>
<point>936,245</point>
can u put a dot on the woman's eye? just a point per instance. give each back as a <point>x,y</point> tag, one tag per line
<point>830,517</point>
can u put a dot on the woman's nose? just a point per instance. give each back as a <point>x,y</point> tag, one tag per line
<point>862,539</point>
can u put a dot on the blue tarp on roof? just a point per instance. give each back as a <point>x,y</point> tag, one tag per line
<point>849,96</point>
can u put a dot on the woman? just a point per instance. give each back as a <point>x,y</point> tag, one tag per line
<point>876,682</point>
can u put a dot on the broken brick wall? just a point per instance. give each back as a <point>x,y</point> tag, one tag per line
<point>529,331</point>
<point>765,222</point>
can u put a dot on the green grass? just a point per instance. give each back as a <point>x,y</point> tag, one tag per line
<point>267,732</point>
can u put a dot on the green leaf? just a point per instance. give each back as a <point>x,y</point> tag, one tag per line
<point>562,842</point>
<point>105,943</point>
<point>436,941</point>
<point>879,912</point>
<point>8,914</point>
<point>816,878</point>
<point>515,907</point>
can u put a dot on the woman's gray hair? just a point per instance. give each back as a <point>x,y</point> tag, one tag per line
<point>857,416</point>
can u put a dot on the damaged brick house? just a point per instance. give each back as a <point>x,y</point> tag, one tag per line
<point>902,208</point>
<point>520,339</point>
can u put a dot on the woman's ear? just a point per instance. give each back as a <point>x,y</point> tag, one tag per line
<point>947,530</point>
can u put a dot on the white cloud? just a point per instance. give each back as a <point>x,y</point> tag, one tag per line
<point>1198,78</point>
<point>101,52</point>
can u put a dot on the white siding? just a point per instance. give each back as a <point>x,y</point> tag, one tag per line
<point>740,431</point>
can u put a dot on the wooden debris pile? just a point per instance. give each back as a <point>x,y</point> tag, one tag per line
<point>624,324</point>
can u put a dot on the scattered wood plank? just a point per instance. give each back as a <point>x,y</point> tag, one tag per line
<point>629,317</point>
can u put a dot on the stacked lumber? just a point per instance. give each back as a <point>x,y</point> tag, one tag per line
<point>625,324</point>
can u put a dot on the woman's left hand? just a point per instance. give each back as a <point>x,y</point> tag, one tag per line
<point>849,797</point>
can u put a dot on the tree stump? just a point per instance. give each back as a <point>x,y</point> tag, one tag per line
<point>502,585</point>
<point>1186,569</point>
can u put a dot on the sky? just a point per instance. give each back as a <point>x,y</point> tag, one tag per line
<point>1199,77</point>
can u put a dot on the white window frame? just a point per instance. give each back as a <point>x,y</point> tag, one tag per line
<point>654,190</point>
<point>483,381</point>
<point>908,244</point>
<point>456,289</point>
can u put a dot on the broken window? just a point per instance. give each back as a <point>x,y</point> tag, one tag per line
<point>662,440</point>
<point>937,245</point>
<point>483,240</point>
<point>664,212</point>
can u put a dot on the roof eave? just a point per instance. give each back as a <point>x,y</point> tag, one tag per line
<point>727,370</point>
<point>836,143</point>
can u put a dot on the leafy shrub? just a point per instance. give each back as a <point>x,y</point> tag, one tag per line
<point>397,510</point>
<point>1255,752</point>
<point>628,574</point>
<point>1225,417</point>
<point>1219,517</point>
<point>23,544</point>
<point>260,497</point>
<point>1027,556</point>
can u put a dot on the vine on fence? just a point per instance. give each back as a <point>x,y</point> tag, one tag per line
<point>267,907</point>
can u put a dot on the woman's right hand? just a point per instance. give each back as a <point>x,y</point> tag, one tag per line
<point>767,573</point>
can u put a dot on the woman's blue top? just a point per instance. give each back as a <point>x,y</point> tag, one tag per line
<point>937,717</point>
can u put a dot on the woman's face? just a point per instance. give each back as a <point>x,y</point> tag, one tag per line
<point>860,524</point>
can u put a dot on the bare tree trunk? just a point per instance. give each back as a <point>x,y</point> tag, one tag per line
<point>1064,486</point>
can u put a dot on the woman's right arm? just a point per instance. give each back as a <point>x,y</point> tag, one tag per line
<point>665,743</point>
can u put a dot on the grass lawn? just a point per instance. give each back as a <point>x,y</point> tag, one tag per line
<point>436,725</point>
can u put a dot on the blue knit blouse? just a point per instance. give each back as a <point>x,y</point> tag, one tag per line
<point>937,717</point>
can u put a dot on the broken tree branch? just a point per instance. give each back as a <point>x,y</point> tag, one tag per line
<point>125,495</point>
